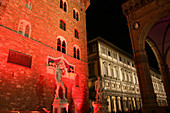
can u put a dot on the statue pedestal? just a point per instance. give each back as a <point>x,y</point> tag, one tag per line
<point>59,105</point>
<point>100,106</point>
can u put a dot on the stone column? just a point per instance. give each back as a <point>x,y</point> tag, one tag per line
<point>145,82</point>
<point>119,103</point>
<point>109,104</point>
<point>122,105</point>
<point>134,104</point>
<point>114,104</point>
<point>166,79</point>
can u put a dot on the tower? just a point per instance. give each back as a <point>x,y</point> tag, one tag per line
<point>34,36</point>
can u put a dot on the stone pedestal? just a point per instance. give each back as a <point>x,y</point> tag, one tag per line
<point>100,106</point>
<point>59,105</point>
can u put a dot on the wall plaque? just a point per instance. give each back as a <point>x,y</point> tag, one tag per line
<point>19,58</point>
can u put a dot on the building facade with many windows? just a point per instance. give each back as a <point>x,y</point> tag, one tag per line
<point>35,35</point>
<point>117,72</point>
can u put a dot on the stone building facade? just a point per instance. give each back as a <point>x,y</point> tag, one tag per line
<point>34,36</point>
<point>118,74</point>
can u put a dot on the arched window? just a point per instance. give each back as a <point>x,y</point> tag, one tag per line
<point>58,44</point>
<point>63,5</point>
<point>61,44</point>
<point>62,25</point>
<point>76,33</point>
<point>76,14</point>
<point>74,52</point>
<point>27,29</point>
<point>63,47</point>
<point>24,28</point>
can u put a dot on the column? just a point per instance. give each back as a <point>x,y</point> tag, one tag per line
<point>120,109</point>
<point>134,104</point>
<point>114,104</point>
<point>145,82</point>
<point>109,104</point>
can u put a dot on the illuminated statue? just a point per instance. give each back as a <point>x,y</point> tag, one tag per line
<point>58,76</point>
<point>98,89</point>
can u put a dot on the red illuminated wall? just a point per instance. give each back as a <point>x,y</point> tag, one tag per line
<point>29,88</point>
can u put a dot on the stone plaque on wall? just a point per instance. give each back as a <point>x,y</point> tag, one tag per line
<point>19,58</point>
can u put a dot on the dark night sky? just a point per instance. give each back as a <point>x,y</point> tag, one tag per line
<point>106,19</point>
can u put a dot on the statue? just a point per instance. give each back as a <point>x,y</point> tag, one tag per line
<point>98,89</point>
<point>58,76</point>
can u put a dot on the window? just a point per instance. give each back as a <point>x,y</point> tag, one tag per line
<point>27,31</point>
<point>29,4</point>
<point>63,47</point>
<point>61,44</point>
<point>117,74</point>
<point>109,54</point>
<point>112,72</point>
<point>76,33</point>
<point>133,65</point>
<point>78,57</point>
<point>21,27</point>
<point>62,25</point>
<point>127,77</point>
<point>24,28</point>
<point>123,76</point>
<point>63,5</point>
<point>76,52</point>
<point>120,58</point>
<point>128,62</point>
<point>58,44</point>
<point>76,14</point>
<point>105,68</point>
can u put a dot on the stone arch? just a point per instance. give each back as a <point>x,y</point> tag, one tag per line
<point>148,27</point>
<point>155,51</point>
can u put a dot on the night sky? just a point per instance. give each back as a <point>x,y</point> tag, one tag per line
<point>106,19</point>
